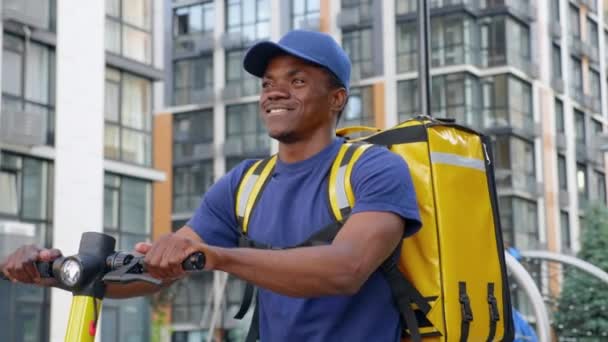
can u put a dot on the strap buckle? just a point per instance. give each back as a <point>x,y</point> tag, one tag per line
<point>465,307</point>
<point>494,315</point>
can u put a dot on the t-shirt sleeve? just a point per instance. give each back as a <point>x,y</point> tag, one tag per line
<point>382,182</point>
<point>214,220</point>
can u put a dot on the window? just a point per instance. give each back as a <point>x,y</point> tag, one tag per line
<point>305,13</point>
<point>451,40</point>
<point>237,78</point>
<point>562,173</point>
<point>555,11</point>
<point>127,217</point>
<point>407,99</point>
<point>564,224</point>
<point>559,117</point>
<point>199,18</point>
<point>515,162</point>
<point>129,29</point>
<point>600,183</point>
<point>28,80</point>
<point>128,118</point>
<point>192,300</point>
<point>579,127</point>
<point>250,18</point>
<point>505,40</point>
<point>598,130</point>
<point>592,34</point>
<point>360,108</point>
<point>407,47</point>
<point>582,184</point>
<point>363,8</point>
<point>577,77</point>
<point>519,219</point>
<point>456,96</point>
<point>245,132</point>
<point>26,199</point>
<point>192,135</point>
<point>406,6</point>
<point>358,46</point>
<point>193,80</point>
<point>508,102</point>
<point>575,22</point>
<point>556,61</point>
<point>595,87</point>
<point>190,182</point>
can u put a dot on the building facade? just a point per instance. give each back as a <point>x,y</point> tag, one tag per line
<point>532,74</point>
<point>80,81</point>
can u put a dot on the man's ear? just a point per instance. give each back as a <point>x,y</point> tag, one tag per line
<point>338,100</point>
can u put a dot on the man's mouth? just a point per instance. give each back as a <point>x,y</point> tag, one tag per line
<point>277,111</point>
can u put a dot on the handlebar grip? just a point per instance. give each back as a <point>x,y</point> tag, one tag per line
<point>195,262</point>
<point>44,268</point>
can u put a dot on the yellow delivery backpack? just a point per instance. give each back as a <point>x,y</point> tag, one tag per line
<point>450,283</point>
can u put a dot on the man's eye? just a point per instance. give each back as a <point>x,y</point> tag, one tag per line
<point>298,81</point>
<point>265,84</point>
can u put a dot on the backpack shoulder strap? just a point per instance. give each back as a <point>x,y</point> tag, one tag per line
<point>341,195</point>
<point>250,187</point>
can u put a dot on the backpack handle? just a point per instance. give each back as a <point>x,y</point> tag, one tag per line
<point>345,131</point>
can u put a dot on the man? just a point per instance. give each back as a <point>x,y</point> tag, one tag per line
<point>332,292</point>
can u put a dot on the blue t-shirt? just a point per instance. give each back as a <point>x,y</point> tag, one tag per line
<point>292,207</point>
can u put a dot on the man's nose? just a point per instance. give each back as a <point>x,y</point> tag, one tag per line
<point>277,92</point>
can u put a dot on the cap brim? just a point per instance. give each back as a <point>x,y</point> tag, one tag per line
<point>259,55</point>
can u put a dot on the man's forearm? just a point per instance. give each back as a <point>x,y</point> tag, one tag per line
<point>135,289</point>
<point>299,272</point>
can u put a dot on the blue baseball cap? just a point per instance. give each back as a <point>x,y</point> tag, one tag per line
<point>314,47</point>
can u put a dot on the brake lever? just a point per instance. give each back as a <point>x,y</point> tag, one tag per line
<point>131,272</point>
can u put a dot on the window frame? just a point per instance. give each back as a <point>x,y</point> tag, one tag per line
<point>120,21</point>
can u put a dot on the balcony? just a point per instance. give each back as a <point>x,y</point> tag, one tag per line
<point>590,4</point>
<point>23,128</point>
<point>193,96</point>
<point>577,94</point>
<point>193,44</point>
<point>558,85</point>
<point>502,121</point>
<point>584,153</point>
<point>353,17</point>
<point>188,151</point>
<point>508,180</point>
<point>33,13</point>
<point>564,198</point>
<point>521,9</point>
<point>556,30</point>
<point>311,24</point>
<point>581,49</point>
<point>246,87</point>
<point>560,141</point>
<point>248,145</point>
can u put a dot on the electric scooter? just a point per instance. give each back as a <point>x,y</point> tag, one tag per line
<point>86,274</point>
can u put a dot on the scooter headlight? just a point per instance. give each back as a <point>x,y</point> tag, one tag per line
<point>70,272</point>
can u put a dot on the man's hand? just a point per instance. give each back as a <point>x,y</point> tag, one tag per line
<point>164,257</point>
<point>20,265</point>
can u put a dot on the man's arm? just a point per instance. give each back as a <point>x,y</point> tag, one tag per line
<point>365,241</point>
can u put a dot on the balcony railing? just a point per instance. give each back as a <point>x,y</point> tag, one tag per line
<point>499,119</point>
<point>193,44</point>
<point>193,96</point>
<point>23,127</point>
<point>352,17</point>
<point>249,145</point>
<point>523,9</point>
<point>34,13</point>
<point>509,179</point>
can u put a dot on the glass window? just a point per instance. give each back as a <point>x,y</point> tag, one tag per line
<point>245,132</point>
<point>193,80</point>
<point>515,159</point>
<point>192,303</point>
<point>564,223</point>
<point>408,98</point>
<point>358,46</point>
<point>519,219</point>
<point>237,78</point>
<point>406,6</point>
<point>126,320</point>
<point>582,184</point>
<point>556,61</point>
<point>28,79</point>
<point>592,34</point>
<point>192,133</point>
<point>497,49</point>
<point>128,118</point>
<point>359,110</point>
<point>559,117</point>
<point>129,29</point>
<point>407,47</point>
<point>600,184</point>
<point>190,183</point>
<point>595,87</point>
<point>575,22</point>
<point>555,11</point>
<point>26,191</point>
<point>304,13</point>
<point>562,173</point>
<point>194,19</point>
<point>250,18</point>
<point>577,75</point>
<point>579,127</point>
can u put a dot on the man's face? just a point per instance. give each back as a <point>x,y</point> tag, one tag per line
<point>296,100</point>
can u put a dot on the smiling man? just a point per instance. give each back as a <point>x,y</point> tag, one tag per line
<point>332,292</point>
